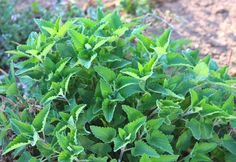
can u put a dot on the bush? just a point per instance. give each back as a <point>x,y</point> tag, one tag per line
<point>100,90</point>
<point>16,24</point>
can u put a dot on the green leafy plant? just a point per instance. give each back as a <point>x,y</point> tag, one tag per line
<point>100,90</point>
<point>16,24</point>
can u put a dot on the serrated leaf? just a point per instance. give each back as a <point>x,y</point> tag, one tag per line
<point>76,111</point>
<point>143,148</point>
<point>106,134</point>
<point>132,113</point>
<point>155,124</point>
<point>119,143</point>
<point>21,128</point>
<point>159,140</point>
<point>133,127</point>
<point>18,141</point>
<point>107,74</point>
<point>78,39</point>
<point>40,119</point>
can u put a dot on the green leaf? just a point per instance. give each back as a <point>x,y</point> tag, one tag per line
<point>229,143</point>
<point>64,28</point>
<point>106,134</point>
<point>229,105</point>
<point>101,149</point>
<point>132,113</point>
<point>154,124</point>
<point>159,140</point>
<point>133,127</point>
<point>46,50</point>
<point>24,157</point>
<point>195,127</point>
<point>184,141</point>
<point>202,70</point>
<point>78,39</point>
<point>164,39</point>
<point>143,148</point>
<point>203,147</point>
<point>194,98</point>
<point>21,128</point>
<point>12,90</point>
<point>64,156</point>
<point>18,141</point>
<point>108,109</point>
<point>44,148</point>
<point>63,141</point>
<point>107,74</point>
<point>106,89</point>
<point>128,86</point>
<point>40,119</point>
<point>162,158</point>
<point>119,143</point>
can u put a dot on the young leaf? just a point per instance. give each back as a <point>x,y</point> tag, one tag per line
<point>106,134</point>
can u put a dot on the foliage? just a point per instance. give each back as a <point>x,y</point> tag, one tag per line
<point>136,7</point>
<point>16,23</point>
<point>100,90</point>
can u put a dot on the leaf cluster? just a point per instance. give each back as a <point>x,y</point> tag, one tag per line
<point>103,91</point>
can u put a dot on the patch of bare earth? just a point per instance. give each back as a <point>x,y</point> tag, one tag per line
<point>210,24</point>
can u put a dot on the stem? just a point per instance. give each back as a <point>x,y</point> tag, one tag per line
<point>122,153</point>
